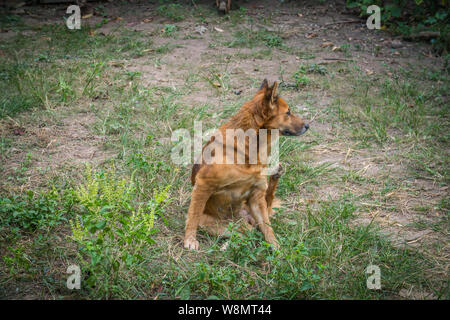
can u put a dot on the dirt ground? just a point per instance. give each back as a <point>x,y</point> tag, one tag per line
<point>315,34</point>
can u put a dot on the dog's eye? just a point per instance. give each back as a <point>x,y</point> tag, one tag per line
<point>289,112</point>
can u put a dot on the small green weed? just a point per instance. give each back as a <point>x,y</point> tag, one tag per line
<point>169,30</point>
<point>34,211</point>
<point>113,230</point>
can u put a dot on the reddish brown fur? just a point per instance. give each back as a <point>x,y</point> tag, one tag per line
<point>223,192</point>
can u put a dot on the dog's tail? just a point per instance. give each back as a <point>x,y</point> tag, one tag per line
<point>195,169</point>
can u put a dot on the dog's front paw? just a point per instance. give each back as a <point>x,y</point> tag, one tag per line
<point>273,242</point>
<point>275,245</point>
<point>191,243</point>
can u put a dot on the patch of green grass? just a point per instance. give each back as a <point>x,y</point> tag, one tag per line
<point>165,48</point>
<point>169,30</point>
<point>303,173</point>
<point>273,41</point>
<point>173,11</point>
<point>346,49</point>
<point>9,106</point>
<point>11,21</point>
<point>32,211</point>
<point>313,68</point>
<point>300,76</point>
<point>248,38</point>
<point>236,16</point>
<point>218,80</point>
<point>321,256</point>
<point>397,104</point>
<point>59,71</point>
<point>301,80</point>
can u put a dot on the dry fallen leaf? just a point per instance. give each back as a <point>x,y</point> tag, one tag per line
<point>116,63</point>
<point>91,32</point>
<point>216,84</point>
<point>218,29</point>
<point>147,20</point>
<point>299,15</point>
<point>46,38</point>
<point>87,16</point>
<point>336,49</point>
<point>327,44</point>
<point>19,131</point>
<point>311,35</point>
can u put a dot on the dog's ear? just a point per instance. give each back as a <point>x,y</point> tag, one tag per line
<point>264,85</point>
<point>274,92</point>
<point>270,94</point>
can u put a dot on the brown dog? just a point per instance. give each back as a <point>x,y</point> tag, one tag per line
<point>223,192</point>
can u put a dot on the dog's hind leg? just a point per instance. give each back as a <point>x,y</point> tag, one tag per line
<point>258,210</point>
<point>270,192</point>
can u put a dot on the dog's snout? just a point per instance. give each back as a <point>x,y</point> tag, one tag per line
<point>307,126</point>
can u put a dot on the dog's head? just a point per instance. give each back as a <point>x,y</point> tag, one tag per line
<point>277,114</point>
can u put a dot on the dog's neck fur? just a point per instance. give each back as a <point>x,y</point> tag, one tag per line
<point>252,115</point>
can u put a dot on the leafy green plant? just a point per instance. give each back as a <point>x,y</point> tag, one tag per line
<point>65,90</point>
<point>113,230</point>
<point>301,80</point>
<point>169,30</point>
<point>273,41</point>
<point>34,211</point>
<point>313,68</point>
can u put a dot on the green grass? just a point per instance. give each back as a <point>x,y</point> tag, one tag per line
<point>328,224</point>
<point>249,38</point>
<point>173,11</point>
